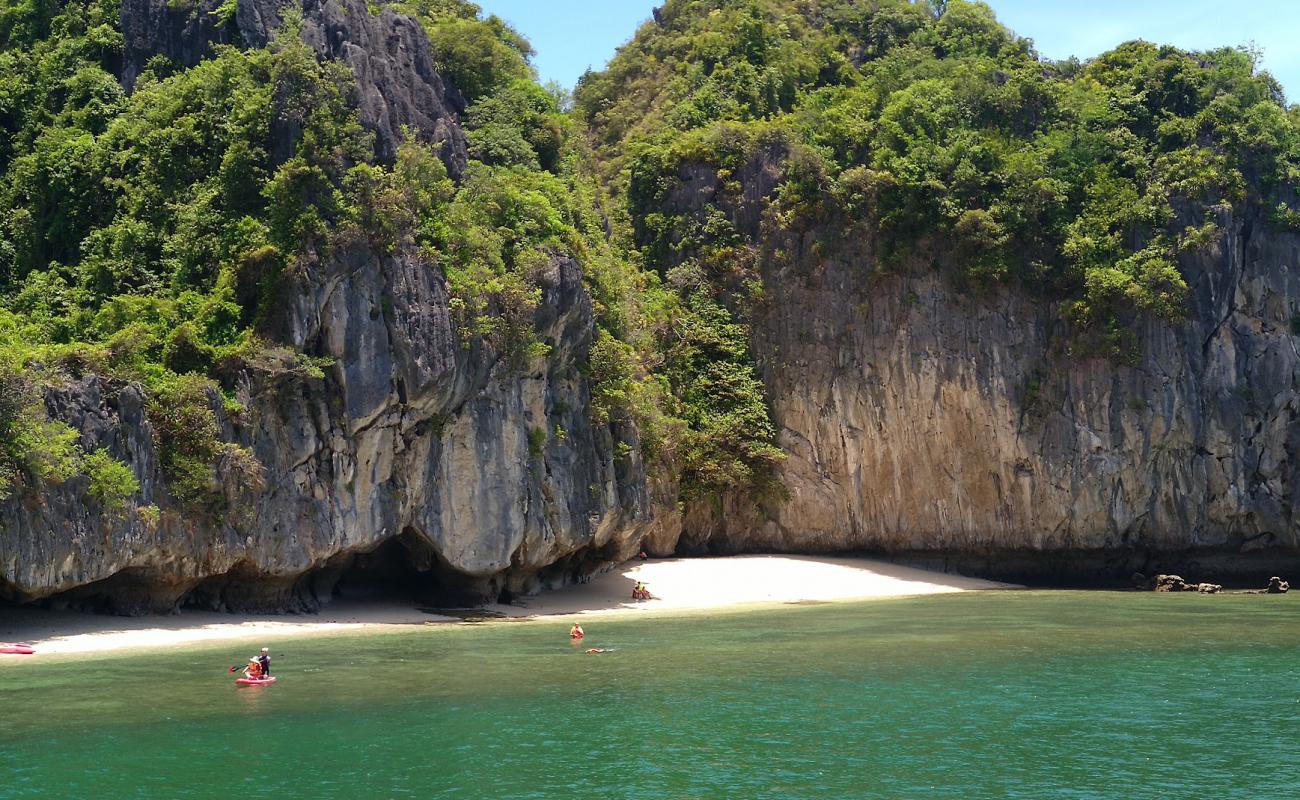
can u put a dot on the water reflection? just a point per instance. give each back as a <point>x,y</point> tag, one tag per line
<point>251,700</point>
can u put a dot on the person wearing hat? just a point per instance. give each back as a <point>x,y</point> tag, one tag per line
<point>254,669</point>
<point>264,661</point>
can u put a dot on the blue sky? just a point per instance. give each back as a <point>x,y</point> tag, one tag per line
<point>571,35</point>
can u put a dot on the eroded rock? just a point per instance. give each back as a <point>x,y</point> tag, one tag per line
<point>410,436</point>
<point>919,417</point>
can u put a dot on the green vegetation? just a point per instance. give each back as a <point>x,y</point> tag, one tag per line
<point>536,442</point>
<point>939,135</point>
<point>111,481</point>
<point>35,448</point>
<point>32,446</point>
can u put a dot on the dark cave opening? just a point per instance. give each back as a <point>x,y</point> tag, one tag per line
<point>393,571</point>
<point>403,569</point>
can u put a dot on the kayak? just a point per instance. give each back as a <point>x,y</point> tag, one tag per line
<point>17,650</point>
<point>255,681</point>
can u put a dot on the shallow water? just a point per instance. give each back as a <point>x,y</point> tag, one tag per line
<point>980,695</point>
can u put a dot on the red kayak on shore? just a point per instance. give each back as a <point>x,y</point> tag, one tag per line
<point>17,650</point>
<point>255,681</point>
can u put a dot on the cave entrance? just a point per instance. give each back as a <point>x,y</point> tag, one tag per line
<point>396,570</point>
<point>404,569</point>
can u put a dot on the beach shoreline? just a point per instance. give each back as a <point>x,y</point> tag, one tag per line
<point>678,585</point>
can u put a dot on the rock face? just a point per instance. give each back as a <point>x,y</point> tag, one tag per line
<point>388,53</point>
<point>420,462</point>
<point>479,478</point>
<point>957,428</point>
<point>921,421</point>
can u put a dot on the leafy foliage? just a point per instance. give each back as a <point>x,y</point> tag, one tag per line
<point>942,136</point>
<point>111,481</point>
<point>478,55</point>
<point>33,447</point>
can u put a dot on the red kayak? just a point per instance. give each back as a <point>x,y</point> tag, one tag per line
<point>255,681</point>
<point>17,650</point>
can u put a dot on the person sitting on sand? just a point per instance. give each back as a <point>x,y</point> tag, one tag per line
<point>639,592</point>
<point>264,660</point>
<point>254,670</point>
<point>576,631</point>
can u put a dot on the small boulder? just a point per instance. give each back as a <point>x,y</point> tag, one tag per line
<point>1208,588</point>
<point>1277,586</point>
<point>1170,583</point>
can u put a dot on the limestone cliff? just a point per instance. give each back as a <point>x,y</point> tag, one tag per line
<point>422,460</point>
<point>921,416</point>
<point>445,453</point>
<point>955,427</point>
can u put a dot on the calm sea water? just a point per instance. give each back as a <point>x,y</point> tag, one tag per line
<point>993,695</point>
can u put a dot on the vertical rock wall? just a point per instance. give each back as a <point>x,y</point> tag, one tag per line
<point>489,473</point>
<point>956,427</point>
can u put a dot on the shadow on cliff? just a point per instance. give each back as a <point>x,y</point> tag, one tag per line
<point>403,570</point>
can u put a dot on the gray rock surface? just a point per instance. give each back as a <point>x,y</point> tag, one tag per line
<point>958,428</point>
<point>411,438</point>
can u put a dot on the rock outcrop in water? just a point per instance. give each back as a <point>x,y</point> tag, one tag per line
<point>1175,583</point>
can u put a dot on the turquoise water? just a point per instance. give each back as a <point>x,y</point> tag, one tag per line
<point>983,695</point>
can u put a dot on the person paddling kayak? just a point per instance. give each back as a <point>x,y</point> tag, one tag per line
<point>264,660</point>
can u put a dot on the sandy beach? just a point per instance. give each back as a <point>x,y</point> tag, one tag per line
<point>677,585</point>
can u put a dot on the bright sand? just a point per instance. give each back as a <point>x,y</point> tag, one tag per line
<point>678,584</point>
